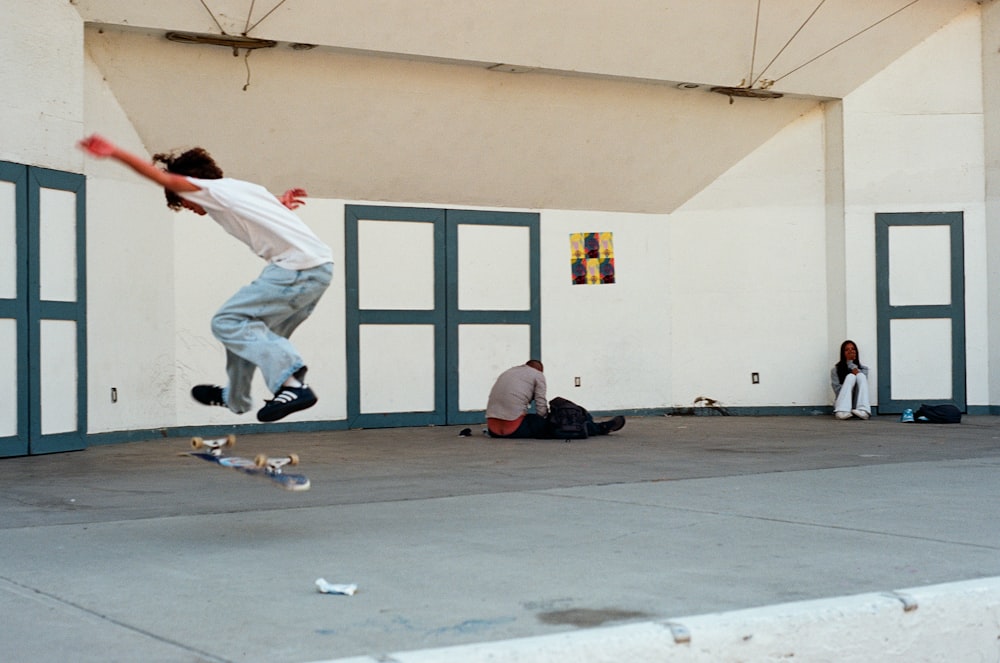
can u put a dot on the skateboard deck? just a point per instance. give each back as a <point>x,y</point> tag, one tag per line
<point>260,466</point>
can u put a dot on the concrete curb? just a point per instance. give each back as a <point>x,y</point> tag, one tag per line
<point>957,621</point>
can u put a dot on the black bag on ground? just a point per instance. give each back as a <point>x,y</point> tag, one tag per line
<point>567,420</point>
<point>938,414</point>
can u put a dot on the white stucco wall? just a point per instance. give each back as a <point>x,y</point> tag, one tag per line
<point>615,337</point>
<point>130,281</point>
<point>913,142</point>
<point>991,123</point>
<point>747,272</point>
<point>394,130</point>
<point>41,74</point>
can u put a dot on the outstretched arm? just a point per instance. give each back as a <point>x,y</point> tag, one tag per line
<point>102,148</point>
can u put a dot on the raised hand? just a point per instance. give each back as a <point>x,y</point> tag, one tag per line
<point>293,198</point>
<point>97,146</point>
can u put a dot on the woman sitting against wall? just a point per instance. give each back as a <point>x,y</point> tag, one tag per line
<point>849,379</point>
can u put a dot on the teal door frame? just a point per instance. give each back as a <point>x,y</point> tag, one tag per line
<point>355,316</point>
<point>457,317</point>
<point>16,309</point>
<point>953,311</point>
<point>446,317</point>
<point>28,309</point>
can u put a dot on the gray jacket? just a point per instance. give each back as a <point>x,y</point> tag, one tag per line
<point>513,392</point>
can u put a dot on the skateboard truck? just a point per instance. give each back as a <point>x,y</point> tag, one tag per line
<point>274,465</point>
<point>214,446</point>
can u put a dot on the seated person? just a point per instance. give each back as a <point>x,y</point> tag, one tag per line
<point>849,380</point>
<point>513,392</point>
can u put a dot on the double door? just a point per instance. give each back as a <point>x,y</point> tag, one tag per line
<point>43,405</point>
<point>439,302</point>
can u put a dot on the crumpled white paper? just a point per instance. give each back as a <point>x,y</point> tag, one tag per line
<point>325,587</point>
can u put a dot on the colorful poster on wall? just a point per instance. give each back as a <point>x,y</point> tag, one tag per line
<point>592,258</point>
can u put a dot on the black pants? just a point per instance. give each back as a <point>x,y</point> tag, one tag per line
<point>532,426</point>
<point>536,427</point>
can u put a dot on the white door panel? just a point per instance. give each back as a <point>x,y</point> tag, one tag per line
<point>57,373</point>
<point>396,368</point>
<point>485,351</point>
<point>921,359</point>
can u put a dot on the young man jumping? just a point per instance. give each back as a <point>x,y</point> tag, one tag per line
<point>254,325</point>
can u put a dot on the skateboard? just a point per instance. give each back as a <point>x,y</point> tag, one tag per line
<point>261,466</point>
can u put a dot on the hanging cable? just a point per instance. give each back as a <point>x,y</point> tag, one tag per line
<point>246,32</point>
<point>809,18</point>
<point>246,61</point>
<point>246,28</point>
<point>857,34</point>
<point>263,17</point>
<point>753,54</point>
<point>213,16</point>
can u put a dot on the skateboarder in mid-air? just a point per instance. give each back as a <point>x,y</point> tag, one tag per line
<point>254,325</point>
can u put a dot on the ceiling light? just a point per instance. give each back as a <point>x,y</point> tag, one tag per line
<point>234,42</point>
<point>753,93</point>
<point>511,68</point>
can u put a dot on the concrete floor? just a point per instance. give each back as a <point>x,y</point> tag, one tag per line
<point>131,552</point>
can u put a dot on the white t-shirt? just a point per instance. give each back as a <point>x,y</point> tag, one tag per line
<point>257,218</point>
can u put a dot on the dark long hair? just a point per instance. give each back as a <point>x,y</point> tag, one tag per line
<point>842,369</point>
<point>195,162</point>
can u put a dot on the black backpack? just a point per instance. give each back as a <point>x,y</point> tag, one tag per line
<point>567,420</point>
<point>938,414</point>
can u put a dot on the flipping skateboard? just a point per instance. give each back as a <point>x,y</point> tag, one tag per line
<point>260,466</point>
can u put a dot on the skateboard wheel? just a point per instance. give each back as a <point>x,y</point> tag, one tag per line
<point>230,440</point>
<point>293,459</point>
<point>260,460</point>
<point>197,442</point>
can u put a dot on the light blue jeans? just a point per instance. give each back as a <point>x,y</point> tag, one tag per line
<point>254,326</point>
<point>855,388</point>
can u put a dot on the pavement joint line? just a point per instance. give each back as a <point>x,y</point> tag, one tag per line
<point>783,521</point>
<point>211,514</point>
<point>35,594</point>
<point>546,492</point>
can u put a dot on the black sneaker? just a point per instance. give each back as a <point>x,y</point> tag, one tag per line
<point>208,394</point>
<point>611,425</point>
<point>287,401</point>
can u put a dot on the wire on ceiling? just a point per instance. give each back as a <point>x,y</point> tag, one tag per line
<point>856,34</point>
<point>236,43</point>
<point>247,28</point>
<point>250,13</point>
<point>746,89</point>
<point>754,81</point>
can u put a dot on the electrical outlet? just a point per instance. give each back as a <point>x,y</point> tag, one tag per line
<point>576,382</point>
<point>755,378</point>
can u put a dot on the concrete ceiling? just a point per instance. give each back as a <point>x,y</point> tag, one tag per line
<point>628,46</point>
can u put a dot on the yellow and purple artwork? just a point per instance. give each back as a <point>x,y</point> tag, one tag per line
<point>592,258</point>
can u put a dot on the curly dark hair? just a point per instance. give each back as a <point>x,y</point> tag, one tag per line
<point>195,162</point>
